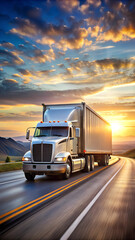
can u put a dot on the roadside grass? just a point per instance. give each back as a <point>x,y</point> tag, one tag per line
<point>10,166</point>
<point>15,164</point>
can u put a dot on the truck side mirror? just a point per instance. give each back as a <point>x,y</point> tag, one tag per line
<point>77,132</point>
<point>28,134</point>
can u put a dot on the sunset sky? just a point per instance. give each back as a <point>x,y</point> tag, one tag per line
<point>67,51</point>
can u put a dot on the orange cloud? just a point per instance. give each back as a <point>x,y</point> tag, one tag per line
<point>16,75</point>
<point>68,5</point>
<point>46,41</point>
<point>95,31</point>
<point>66,43</point>
<point>84,8</point>
<point>62,36</point>
<point>7,45</point>
<point>10,58</point>
<point>25,27</point>
<point>41,57</point>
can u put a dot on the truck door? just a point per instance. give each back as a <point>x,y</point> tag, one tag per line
<point>73,142</point>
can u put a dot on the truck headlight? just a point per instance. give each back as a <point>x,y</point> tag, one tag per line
<point>26,159</point>
<point>60,159</point>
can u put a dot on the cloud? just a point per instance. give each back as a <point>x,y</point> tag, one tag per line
<point>35,54</point>
<point>24,72</point>
<point>115,64</point>
<point>7,84</point>
<point>61,65</point>
<point>41,57</point>
<point>104,64</point>
<point>74,38</point>
<point>33,73</point>
<point>131,97</point>
<point>95,31</point>
<point>16,75</point>
<point>96,74</point>
<point>60,36</point>
<point>20,94</point>
<point>95,47</point>
<point>118,23</point>
<point>7,45</point>
<point>28,76</point>
<point>24,116</point>
<point>29,12</point>
<point>105,72</point>
<point>120,107</point>
<point>68,5</point>
<point>24,27</point>
<point>85,8</point>
<point>9,58</point>
<point>115,21</point>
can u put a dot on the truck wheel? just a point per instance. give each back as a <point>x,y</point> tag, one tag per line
<point>67,174</point>
<point>30,176</point>
<point>87,163</point>
<point>91,162</point>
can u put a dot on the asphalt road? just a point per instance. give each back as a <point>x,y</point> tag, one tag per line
<point>102,207</point>
<point>15,190</point>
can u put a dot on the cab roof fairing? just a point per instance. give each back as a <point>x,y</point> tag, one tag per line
<point>61,114</point>
<point>54,124</point>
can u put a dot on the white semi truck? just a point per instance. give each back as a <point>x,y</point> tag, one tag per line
<point>70,138</point>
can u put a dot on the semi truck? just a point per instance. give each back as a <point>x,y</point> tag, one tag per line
<point>70,138</point>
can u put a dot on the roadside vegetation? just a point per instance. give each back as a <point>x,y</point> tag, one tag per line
<point>10,166</point>
<point>10,163</point>
<point>8,159</point>
<point>129,154</point>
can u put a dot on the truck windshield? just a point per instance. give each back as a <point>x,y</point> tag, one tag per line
<point>51,131</point>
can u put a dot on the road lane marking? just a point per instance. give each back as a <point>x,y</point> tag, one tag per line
<point>74,225</point>
<point>10,181</point>
<point>45,197</point>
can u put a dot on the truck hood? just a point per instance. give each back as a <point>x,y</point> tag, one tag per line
<point>38,140</point>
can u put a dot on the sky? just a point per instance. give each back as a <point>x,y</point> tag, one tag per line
<point>67,51</point>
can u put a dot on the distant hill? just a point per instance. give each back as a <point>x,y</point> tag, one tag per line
<point>20,138</point>
<point>11,147</point>
<point>130,154</point>
<point>122,147</point>
<point>25,144</point>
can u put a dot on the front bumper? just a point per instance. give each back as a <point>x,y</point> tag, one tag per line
<point>50,169</point>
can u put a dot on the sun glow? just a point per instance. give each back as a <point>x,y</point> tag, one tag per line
<point>116,127</point>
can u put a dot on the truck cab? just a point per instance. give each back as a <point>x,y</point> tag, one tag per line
<point>54,144</point>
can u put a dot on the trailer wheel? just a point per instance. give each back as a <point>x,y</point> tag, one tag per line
<point>67,174</point>
<point>91,162</point>
<point>105,160</point>
<point>100,163</point>
<point>87,163</point>
<point>30,176</point>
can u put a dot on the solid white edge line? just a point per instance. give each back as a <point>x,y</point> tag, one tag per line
<point>74,225</point>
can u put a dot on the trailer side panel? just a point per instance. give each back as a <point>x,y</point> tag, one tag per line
<point>97,134</point>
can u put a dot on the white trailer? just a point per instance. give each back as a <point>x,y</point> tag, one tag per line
<point>69,139</point>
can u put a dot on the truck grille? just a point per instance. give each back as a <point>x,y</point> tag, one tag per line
<point>42,152</point>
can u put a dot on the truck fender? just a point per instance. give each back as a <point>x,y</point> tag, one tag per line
<point>27,154</point>
<point>63,154</point>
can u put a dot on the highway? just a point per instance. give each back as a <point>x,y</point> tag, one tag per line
<point>95,205</point>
